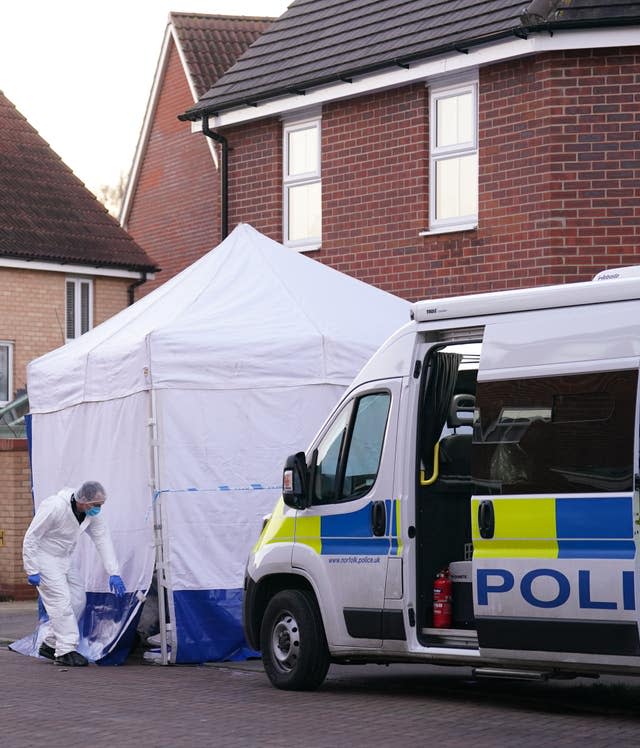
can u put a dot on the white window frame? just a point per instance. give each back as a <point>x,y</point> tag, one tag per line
<point>78,283</point>
<point>310,177</point>
<point>438,154</point>
<point>9,346</point>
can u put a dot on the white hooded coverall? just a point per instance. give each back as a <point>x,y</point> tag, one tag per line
<point>47,549</point>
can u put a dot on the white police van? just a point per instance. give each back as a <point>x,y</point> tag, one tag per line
<point>495,437</point>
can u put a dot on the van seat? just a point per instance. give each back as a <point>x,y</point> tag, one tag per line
<point>455,457</point>
<point>455,449</point>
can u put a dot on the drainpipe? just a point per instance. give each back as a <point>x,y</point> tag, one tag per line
<point>134,285</point>
<point>224,173</point>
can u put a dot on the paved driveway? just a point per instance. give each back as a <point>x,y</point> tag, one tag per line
<point>42,704</point>
<point>143,705</point>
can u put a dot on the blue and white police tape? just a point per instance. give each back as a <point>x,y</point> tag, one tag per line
<point>222,488</point>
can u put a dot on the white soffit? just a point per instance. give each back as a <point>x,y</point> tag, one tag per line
<point>192,88</point>
<point>55,267</point>
<point>478,56</point>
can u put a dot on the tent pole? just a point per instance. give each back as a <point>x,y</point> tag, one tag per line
<point>157,528</point>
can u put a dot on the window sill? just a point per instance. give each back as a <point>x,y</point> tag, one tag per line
<point>449,229</point>
<point>304,247</point>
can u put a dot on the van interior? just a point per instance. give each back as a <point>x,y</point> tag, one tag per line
<point>444,489</point>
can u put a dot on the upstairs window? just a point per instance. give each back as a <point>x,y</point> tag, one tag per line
<point>6,372</point>
<point>453,164</point>
<point>302,198</point>
<point>79,307</point>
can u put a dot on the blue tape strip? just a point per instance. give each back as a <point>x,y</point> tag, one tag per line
<point>215,489</point>
<point>218,489</point>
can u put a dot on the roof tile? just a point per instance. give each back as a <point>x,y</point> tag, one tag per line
<point>320,41</point>
<point>211,44</point>
<point>46,212</point>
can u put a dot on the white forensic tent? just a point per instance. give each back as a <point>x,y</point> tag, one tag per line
<point>185,406</point>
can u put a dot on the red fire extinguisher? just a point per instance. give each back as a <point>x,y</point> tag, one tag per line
<point>442,589</point>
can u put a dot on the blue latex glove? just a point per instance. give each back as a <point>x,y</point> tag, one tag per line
<point>116,585</point>
<point>34,579</point>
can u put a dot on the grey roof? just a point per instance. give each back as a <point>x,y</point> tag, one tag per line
<point>322,41</point>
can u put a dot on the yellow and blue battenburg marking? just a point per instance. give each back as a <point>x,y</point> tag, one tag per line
<point>279,528</point>
<point>350,533</point>
<point>347,533</point>
<point>565,527</point>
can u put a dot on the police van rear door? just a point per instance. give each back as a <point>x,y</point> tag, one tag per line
<point>555,510</point>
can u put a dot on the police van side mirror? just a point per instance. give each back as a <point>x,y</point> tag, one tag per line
<point>295,482</point>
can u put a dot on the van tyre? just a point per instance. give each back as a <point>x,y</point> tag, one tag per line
<point>293,643</point>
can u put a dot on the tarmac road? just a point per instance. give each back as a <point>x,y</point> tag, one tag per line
<point>231,705</point>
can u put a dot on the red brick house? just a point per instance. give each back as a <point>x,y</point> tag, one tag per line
<point>65,266</point>
<point>173,193</point>
<point>439,148</point>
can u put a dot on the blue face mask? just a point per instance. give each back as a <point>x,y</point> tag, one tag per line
<point>93,511</point>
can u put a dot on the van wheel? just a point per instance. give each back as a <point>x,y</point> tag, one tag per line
<point>293,643</point>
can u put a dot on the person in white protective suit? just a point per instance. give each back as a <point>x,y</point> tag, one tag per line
<point>47,550</point>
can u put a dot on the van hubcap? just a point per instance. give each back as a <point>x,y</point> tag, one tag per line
<point>285,642</point>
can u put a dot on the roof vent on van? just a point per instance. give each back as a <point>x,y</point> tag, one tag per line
<point>633,271</point>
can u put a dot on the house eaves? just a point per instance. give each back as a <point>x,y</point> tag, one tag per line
<point>46,265</point>
<point>322,50</point>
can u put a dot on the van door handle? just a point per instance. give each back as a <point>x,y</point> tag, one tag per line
<point>486,519</point>
<point>378,518</point>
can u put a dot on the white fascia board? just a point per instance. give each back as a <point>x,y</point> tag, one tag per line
<point>192,89</point>
<point>145,130</point>
<point>55,267</point>
<point>450,64</point>
<point>185,67</point>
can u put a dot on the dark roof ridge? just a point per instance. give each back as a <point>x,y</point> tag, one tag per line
<point>221,16</point>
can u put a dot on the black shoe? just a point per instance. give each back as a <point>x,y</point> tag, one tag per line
<point>72,659</point>
<point>47,651</point>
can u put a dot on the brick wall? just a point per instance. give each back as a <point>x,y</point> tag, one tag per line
<point>559,159</point>
<point>33,312</point>
<point>33,315</point>
<point>175,213</point>
<point>16,511</point>
<point>255,176</point>
<point>374,177</point>
<point>559,168</point>
<point>110,296</point>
